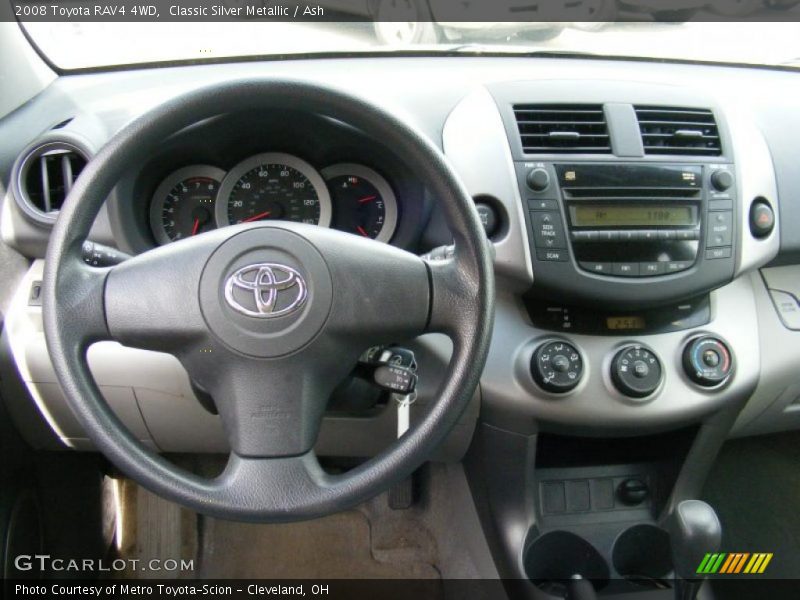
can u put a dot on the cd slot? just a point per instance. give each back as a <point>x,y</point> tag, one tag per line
<point>636,193</point>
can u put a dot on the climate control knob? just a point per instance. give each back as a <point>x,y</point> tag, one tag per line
<point>707,361</point>
<point>557,366</point>
<point>636,371</point>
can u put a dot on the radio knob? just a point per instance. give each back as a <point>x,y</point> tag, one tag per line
<point>538,179</point>
<point>721,180</point>
<point>707,361</point>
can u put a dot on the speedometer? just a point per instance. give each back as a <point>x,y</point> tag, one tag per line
<point>273,186</point>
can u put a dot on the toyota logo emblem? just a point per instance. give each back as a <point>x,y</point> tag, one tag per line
<point>266,290</point>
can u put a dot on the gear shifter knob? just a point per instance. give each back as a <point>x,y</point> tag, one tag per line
<point>694,531</point>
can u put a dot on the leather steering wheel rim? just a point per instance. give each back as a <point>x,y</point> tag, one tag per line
<point>82,305</point>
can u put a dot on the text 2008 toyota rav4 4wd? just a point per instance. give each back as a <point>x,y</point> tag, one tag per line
<point>293,310</point>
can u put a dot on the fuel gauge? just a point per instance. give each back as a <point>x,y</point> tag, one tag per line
<point>363,201</point>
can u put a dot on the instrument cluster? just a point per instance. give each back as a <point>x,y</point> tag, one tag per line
<point>273,186</point>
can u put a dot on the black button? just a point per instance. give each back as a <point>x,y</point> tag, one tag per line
<point>583,236</point>
<point>625,269</point>
<point>648,235</point>
<point>719,229</point>
<point>762,219</point>
<point>628,235</point>
<point>715,253</point>
<point>560,363</point>
<point>640,369</point>
<point>648,269</point>
<point>720,205</point>
<point>552,255</point>
<point>601,268</point>
<point>674,266</point>
<point>488,217</point>
<point>607,236</point>
<point>711,358</point>
<point>547,230</point>
<point>35,296</point>
<point>539,204</point>
<point>666,234</point>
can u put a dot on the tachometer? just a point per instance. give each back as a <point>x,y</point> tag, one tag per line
<point>363,201</point>
<point>273,187</point>
<point>183,204</point>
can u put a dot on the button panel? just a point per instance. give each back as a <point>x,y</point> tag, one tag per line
<point>636,269</point>
<point>548,231</point>
<point>635,235</point>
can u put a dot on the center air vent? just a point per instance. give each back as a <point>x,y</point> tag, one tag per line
<point>45,176</point>
<point>684,131</point>
<point>562,128</point>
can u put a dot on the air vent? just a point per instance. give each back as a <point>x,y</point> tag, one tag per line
<point>684,131</point>
<point>562,128</point>
<point>45,176</point>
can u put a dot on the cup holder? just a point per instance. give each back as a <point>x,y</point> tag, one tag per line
<point>642,554</point>
<point>558,555</point>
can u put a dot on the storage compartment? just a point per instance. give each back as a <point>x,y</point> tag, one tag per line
<point>642,555</point>
<point>551,559</point>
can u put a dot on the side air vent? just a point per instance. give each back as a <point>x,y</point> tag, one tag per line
<point>685,131</point>
<point>45,175</point>
<point>562,128</point>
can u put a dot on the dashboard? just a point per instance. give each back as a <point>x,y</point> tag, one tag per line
<point>640,216</point>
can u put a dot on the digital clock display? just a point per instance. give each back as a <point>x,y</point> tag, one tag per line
<point>623,323</point>
<point>620,215</point>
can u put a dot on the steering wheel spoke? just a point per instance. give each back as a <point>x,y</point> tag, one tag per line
<point>273,407</point>
<point>151,299</point>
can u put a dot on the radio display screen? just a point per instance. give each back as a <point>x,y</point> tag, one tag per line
<point>621,215</point>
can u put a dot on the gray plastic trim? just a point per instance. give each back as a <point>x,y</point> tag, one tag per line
<point>512,400</point>
<point>775,404</point>
<point>755,176</point>
<point>474,140</point>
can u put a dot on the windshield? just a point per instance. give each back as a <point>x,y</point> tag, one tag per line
<point>86,45</point>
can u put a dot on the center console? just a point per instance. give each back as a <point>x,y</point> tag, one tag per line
<point>626,336</point>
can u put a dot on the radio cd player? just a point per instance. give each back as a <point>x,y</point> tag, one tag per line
<point>596,226</point>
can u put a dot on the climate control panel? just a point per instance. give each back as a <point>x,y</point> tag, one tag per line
<point>634,370</point>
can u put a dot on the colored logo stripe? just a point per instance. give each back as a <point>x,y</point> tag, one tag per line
<point>734,563</point>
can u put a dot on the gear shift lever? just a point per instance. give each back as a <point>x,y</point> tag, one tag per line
<point>694,530</point>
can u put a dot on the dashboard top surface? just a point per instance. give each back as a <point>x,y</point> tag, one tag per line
<point>423,91</point>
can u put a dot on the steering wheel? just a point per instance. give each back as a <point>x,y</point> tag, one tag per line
<point>268,318</point>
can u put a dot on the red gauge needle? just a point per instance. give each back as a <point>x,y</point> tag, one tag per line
<point>196,226</point>
<point>362,231</point>
<point>257,217</point>
<point>367,199</point>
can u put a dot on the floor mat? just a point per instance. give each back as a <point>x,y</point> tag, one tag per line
<point>340,546</point>
<point>755,489</point>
